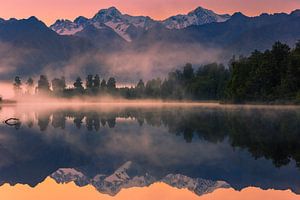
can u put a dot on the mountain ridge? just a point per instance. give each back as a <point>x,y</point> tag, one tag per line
<point>128,175</point>
<point>119,22</point>
<point>136,44</point>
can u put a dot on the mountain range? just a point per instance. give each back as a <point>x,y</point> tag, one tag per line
<point>129,175</point>
<point>112,43</point>
<point>128,27</point>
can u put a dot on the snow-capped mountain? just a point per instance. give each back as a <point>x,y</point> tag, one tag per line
<point>199,16</point>
<point>110,17</point>
<point>66,27</point>
<point>197,185</point>
<point>127,26</point>
<point>128,176</point>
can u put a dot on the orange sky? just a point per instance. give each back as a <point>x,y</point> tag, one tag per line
<point>49,10</point>
<point>49,190</point>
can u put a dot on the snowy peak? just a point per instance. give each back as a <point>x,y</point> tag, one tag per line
<point>66,175</point>
<point>107,184</point>
<point>202,13</point>
<point>126,26</point>
<point>109,14</point>
<point>111,11</point>
<point>111,17</point>
<point>196,185</point>
<point>130,175</point>
<point>81,20</point>
<point>199,16</point>
<point>120,23</point>
<point>66,27</point>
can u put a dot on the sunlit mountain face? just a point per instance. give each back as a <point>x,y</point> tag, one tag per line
<point>201,151</point>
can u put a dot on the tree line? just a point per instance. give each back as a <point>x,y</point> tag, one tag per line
<point>208,82</point>
<point>272,75</point>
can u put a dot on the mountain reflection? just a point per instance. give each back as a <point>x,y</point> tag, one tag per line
<point>237,146</point>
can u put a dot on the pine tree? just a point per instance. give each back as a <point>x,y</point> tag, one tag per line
<point>30,86</point>
<point>78,85</point>
<point>17,86</point>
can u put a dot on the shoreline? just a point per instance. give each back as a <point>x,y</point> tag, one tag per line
<point>151,103</point>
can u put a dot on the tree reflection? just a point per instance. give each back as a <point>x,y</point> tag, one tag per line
<point>43,121</point>
<point>59,120</point>
<point>78,120</point>
<point>111,122</point>
<point>103,122</point>
<point>273,134</point>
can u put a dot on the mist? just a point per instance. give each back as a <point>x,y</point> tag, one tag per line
<point>130,65</point>
<point>11,58</point>
<point>6,90</point>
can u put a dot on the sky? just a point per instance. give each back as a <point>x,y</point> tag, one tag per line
<point>50,10</point>
<point>49,190</point>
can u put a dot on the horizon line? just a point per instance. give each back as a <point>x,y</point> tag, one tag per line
<point>139,15</point>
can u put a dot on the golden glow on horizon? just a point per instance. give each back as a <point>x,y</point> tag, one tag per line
<point>49,190</point>
<point>50,10</point>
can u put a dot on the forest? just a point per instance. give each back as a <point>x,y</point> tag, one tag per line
<point>269,76</point>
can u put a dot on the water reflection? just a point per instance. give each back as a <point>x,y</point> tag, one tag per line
<point>199,148</point>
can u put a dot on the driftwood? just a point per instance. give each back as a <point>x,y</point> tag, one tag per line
<point>12,122</point>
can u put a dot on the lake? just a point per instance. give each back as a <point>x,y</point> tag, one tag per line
<point>113,150</point>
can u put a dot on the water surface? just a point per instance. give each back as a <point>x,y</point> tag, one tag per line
<point>112,148</point>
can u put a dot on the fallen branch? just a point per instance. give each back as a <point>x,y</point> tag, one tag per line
<point>12,122</point>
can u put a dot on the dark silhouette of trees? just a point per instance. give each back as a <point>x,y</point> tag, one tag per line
<point>103,85</point>
<point>58,85</point>
<point>266,76</point>
<point>209,82</point>
<point>89,82</point>
<point>111,83</point>
<point>140,89</point>
<point>93,84</point>
<point>29,86</point>
<point>43,85</point>
<point>188,72</point>
<point>17,86</point>
<point>78,85</point>
<point>96,82</point>
<point>153,88</point>
<point>269,76</point>
<point>140,85</point>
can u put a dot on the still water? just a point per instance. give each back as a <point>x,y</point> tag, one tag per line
<point>117,150</point>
